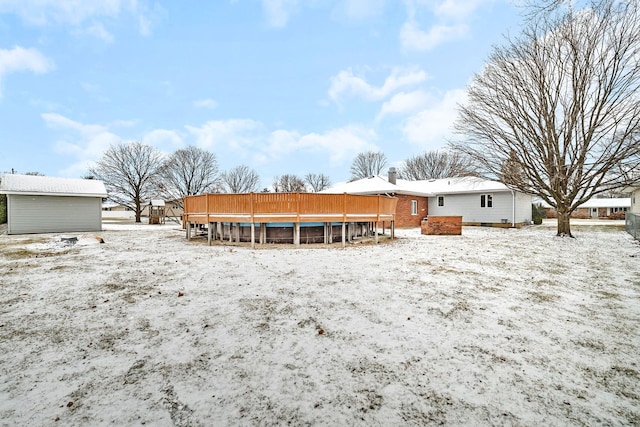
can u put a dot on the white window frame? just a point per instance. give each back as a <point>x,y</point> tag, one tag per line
<point>440,201</point>
<point>414,207</point>
<point>486,200</point>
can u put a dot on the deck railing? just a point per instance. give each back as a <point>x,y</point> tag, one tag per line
<point>632,224</point>
<point>288,207</point>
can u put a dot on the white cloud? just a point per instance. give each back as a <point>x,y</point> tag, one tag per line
<point>345,84</point>
<point>278,11</point>
<point>77,12</point>
<point>163,140</point>
<point>431,128</point>
<point>341,144</point>
<point>85,142</point>
<point>234,133</point>
<point>359,9</point>
<point>21,59</point>
<point>205,103</point>
<point>403,103</point>
<point>413,38</point>
<point>450,22</point>
<point>97,30</point>
<point>457,9</point>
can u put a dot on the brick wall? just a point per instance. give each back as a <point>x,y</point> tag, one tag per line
<point>442,226</point>
<point>403,211</point>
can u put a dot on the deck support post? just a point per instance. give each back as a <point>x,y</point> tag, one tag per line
<point>253,235</point>
<point>263,233</point>
<point>209,232</point>
<point>237,233</point>
<point>393,229</point>
<point>344,234</point>
<point>188,228</point>
<point>296,233</point>
<point>325,235</point>
<point>375,231</point>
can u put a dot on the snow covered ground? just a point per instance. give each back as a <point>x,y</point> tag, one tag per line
<point>494,327</point>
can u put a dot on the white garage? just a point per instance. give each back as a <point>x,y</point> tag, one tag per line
<point>42,204</point>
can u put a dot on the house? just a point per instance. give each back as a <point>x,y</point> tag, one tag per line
<point>478,201</point>
<point>42,204</point>
<point>412,202</point>
<point>596,208</point>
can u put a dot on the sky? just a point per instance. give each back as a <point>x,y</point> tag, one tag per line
<point>281,86</point>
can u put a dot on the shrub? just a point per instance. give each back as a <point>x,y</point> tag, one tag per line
<point>617,215</point>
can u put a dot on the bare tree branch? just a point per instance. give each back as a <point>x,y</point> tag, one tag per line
<point>187,172</point>
<point>366,164</point>
<point>129,172</point>
<point>288,184</point>
<point>240,179</point>
<point>436,165</point>
<point>317,181</point>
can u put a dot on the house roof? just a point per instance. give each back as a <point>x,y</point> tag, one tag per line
<point>51,186</point>
<point>426,188</point>
<point>607,202</point>
<point>620,202</point>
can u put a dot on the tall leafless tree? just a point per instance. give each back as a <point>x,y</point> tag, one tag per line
<point>129,172</point>
<point>240,179</point>
<point>556,111</point>
<point>188,171</point>
<point>366,164</point>
<point>289,184</point>
<point>436,165</point>
<point>317,181</point>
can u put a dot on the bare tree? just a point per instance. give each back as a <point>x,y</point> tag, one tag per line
<point>366,164</point>
<point>188,171</point>
<point>436,165</point>
<point>288,184</point>
<point>240,179</point>
<point>317,181</point>
<point>129,171</point>
<point>556,111</point>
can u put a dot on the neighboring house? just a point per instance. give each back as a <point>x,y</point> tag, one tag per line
<point>42,204</point>
<point>114,211</point>
<point>595,208</point>
<point>478,201</point>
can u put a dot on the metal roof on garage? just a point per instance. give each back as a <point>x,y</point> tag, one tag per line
<point>51,186</point>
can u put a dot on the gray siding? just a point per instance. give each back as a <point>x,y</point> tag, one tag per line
<point>635,201</point>
<point>53,214</point>
<point>468,206</point>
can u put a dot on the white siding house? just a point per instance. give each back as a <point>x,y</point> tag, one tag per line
<point>41,204</point>
<point>478,201</point>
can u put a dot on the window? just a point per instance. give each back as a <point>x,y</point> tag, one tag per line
<point>486,200</point>
<point>414,207</point>
<point>440,200</point>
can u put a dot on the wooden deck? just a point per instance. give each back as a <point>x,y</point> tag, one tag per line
<point>296,208</point>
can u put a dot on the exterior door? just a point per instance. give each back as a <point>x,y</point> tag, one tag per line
<point>594,213</point>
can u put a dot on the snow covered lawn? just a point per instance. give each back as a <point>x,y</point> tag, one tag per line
<point>494,327</point>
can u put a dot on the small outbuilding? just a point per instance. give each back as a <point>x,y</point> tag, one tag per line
<point>42,204</point>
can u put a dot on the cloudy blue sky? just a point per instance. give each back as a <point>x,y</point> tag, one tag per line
<point>282,86</point>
